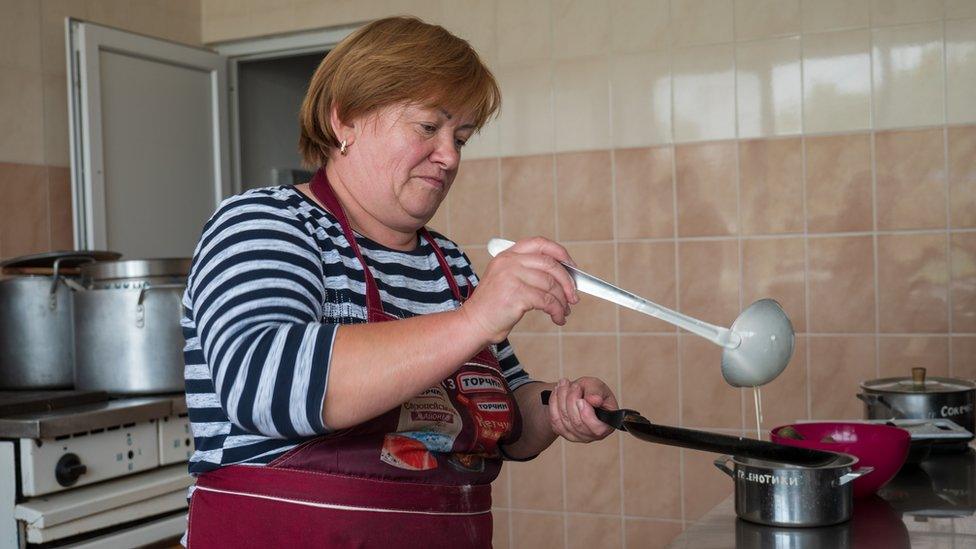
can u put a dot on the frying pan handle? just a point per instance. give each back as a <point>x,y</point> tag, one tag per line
<point>613,418</point>
<point>723,464</point>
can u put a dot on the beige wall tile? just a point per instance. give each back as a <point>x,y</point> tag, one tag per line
<point>908,78</point>
<point>56,120</point>
<point>581,102</point>
<point>587,531</point>
<point>589,493</point>
<point>841,283</point>
<point>641,97</point>
<point>538,531</point>
<point>524,34</point>
<point>21,116</point>
<point>957,9</point>
<point>706,189</point>
<point>525,124</point>
<point>476,22</point>
<point>696,22</point>
<point>768,87</point>
<point>479,258</point>
<point>59,206</point>
<point>20,34</point>
<point>579,28</point>
<point>898,355</point>
<point>964,357</point>
<point>24,210</point>
<point>538,484</point>
<point>766,18</point>
<point>910,178</point>
<point>784,399</point>
<point>837,81</point>
<point>707,401</point>
<point>639,25</point>
<point>962,176</point>
<point>528,197</point>
<point>829,15</point>
<point>652,478</point>
<point>499,491</point>
<point>538,355</point>
<point>474,215</point>
<point>837,367</point>
<point>499,533</point>
<point>704,485</point>
<point>771,186</point>
<point>649,376</point>
<point>441,221</point>
<point>775,268</point>
<point>592,314</point>
<point>913,275</point>
<point>646,269</point>
<point>960,43</point>
<point>708,280</point>
<point>584,196</point>
<point>644,192</point>
<point>593,356</point>
<point>838,183</point>
<point>483,144</point>
<point>899,12</point>
<point>963,258</point>
<point>704,93</point>
<point>650,534</point>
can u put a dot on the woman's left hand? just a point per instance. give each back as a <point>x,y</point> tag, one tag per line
<point>571,404</point>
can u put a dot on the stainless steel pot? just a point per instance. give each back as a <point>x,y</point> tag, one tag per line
<point>777,494</point>
<point>919,398</point>
<point>128,338</point>
<point>36,336</point>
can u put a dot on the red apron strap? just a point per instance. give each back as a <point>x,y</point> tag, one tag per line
<point>446,268</point>
<point>323,191</point>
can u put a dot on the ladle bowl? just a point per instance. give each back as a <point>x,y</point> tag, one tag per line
<point>755,350</point>
<point>766,342</point>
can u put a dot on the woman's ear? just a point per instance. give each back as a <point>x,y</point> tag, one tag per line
<point>343,132</point>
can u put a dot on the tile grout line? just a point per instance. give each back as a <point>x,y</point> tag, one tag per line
<point>948,189</point>
<point>806,237</point>
<point>738,193</point>
<point>874,200</point>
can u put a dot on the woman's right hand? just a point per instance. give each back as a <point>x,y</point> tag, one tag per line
<point>528,276</point>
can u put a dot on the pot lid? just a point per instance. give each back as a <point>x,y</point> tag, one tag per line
<point>69,259</point>
<point>136,268</point>
<point>918,383</point>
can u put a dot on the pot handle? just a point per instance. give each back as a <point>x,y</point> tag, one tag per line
<point>723,465</point>
<point>52,297</point>
<point>141,309</point>
<point>844,479</point>
<point>871,400</point>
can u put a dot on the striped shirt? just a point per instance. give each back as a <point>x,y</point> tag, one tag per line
<point>271,279</point>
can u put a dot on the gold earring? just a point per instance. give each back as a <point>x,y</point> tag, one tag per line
<point>342,148</point>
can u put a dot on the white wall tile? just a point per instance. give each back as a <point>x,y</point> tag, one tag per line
<point>581,100</point>
<point>900,12</point>
<point>960,38</point>
<point>836,81</point>
<point>704,93</point>
<point>20,34</point>
<point>768,87</point>
<point>830,15</point>
<point>525,124</point>
<point>475,21</point>
<point>766,18</point>
<point>21,116</point>
<point>908,76</point>
<point>958,9</point>
<point>695,22</point>
<point>56,120</point>
<point>639,25</point>
<point>640,86</point>
<point>579,28</point>
<point>484,144</point>
<point>524,32</point>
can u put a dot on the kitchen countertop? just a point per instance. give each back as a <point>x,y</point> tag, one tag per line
<point>930,505</point>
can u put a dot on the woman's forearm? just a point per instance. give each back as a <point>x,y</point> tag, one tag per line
<point>537,435</point>
<point>377,366</point>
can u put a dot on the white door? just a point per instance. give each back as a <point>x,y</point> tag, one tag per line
<point>149,141</point>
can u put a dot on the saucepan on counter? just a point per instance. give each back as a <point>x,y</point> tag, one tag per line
<point>919,398</point>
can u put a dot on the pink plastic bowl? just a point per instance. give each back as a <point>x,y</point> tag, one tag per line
<point>880,446</point>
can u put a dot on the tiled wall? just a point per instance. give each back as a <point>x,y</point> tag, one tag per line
<point>35,183</point>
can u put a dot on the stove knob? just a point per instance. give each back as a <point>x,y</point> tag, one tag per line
<point>68,469</point>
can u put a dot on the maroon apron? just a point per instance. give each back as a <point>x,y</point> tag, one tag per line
<point>417,476</point>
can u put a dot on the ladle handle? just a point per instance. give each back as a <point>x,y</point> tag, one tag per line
<point>598,287</point>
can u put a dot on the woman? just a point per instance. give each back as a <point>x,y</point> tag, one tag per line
<point>346,385</point>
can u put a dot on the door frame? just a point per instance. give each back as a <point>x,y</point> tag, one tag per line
<point>268,47</point>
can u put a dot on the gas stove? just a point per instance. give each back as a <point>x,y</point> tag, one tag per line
<point>85,470</point>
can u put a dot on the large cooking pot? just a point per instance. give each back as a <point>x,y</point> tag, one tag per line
<point>778,494</point>
<point>128,338</point>
<point>919,398</point>
<point>36,337</point>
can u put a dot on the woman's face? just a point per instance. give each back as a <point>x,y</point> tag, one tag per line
<point>405,158</point>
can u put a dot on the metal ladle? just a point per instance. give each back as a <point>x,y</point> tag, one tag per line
<point>755,350</point>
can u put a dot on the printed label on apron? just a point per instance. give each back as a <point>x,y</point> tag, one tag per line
<point>428,422</point>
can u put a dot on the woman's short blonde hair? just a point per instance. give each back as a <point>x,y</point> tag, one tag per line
<point>393,60</point>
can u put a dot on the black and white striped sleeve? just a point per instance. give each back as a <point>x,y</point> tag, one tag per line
<point>256,297</point>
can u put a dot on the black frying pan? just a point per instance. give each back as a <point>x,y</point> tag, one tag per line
<point>637,425</point>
